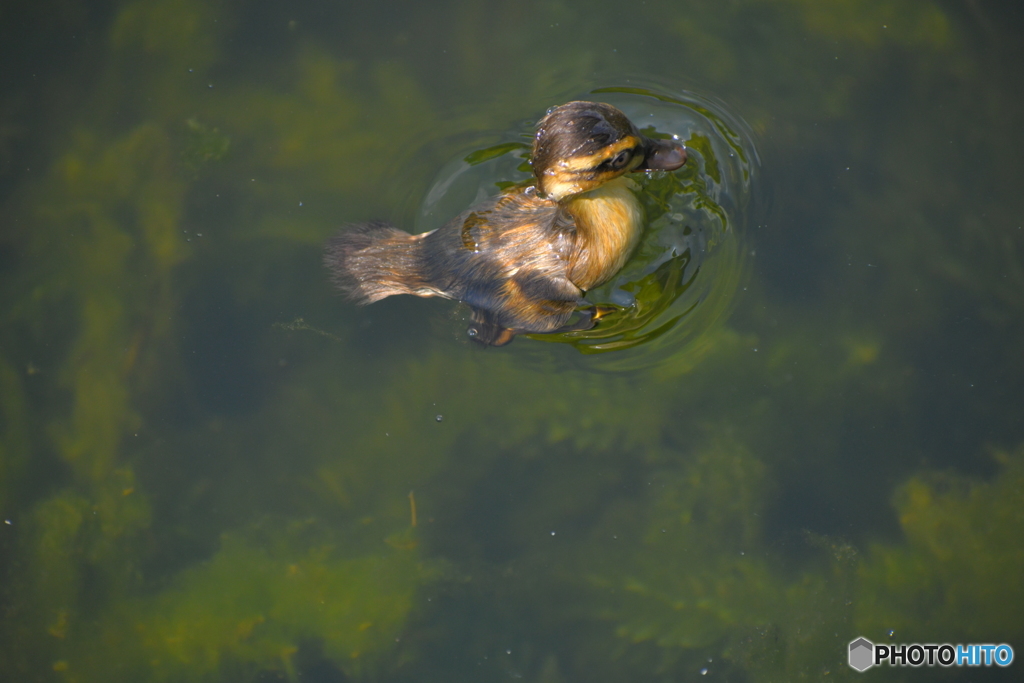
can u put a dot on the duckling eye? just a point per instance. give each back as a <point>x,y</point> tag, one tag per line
<point>621,159</point>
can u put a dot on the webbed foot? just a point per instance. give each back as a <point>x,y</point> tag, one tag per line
<point>485,331</point>
<point>588,317</point>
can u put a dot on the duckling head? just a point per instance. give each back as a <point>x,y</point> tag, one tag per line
<point>579,146</point>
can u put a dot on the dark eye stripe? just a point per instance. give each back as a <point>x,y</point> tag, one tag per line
<point>620,160</point>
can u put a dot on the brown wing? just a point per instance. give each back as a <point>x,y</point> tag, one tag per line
<point>509,260</point>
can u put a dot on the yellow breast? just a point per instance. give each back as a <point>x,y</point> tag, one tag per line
<point>609,221</point>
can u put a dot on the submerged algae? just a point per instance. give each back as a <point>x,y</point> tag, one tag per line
<point>705,586</point>
<point>265,594</point>
<point>95,314</point>
<point>14,436</point>
<point>700,574</point>
<point>707,583</point>
<point>85,538</point>
<point>957,576</point>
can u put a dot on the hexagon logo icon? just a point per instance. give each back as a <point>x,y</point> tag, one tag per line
<point>862,653</point>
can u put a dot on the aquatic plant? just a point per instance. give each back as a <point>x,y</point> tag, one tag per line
<point>92,527</point>
<point>701,573</point>
<point>14,442</point>
<point>266,593</point>
<point>104,233</point>
<point>955,578</point>
<point>704,587</point>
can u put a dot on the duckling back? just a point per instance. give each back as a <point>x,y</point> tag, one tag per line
<point>507,258</point>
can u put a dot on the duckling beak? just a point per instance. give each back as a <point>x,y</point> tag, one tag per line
<point>662,155</point>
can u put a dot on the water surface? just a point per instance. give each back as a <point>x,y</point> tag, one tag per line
<point>212,468</point>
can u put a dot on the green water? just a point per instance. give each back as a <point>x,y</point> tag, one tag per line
<point>214,469</point>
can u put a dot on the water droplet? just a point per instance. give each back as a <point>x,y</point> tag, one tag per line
<point>439,418</point>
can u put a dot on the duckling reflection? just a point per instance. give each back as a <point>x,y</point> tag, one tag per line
<point>523,260</point>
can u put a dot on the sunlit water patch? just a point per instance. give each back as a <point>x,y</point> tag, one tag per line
<point>684,276</point>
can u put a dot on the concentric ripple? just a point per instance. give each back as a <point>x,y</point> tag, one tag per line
<point>689,266</point>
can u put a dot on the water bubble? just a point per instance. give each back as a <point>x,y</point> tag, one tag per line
<point>439,418</point>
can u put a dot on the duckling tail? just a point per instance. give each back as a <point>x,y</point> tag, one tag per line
<point>371,261</point>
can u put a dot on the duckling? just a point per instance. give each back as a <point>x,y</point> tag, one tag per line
<point>523,260</point>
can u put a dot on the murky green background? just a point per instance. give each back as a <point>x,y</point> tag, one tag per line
<point>206,457</point>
